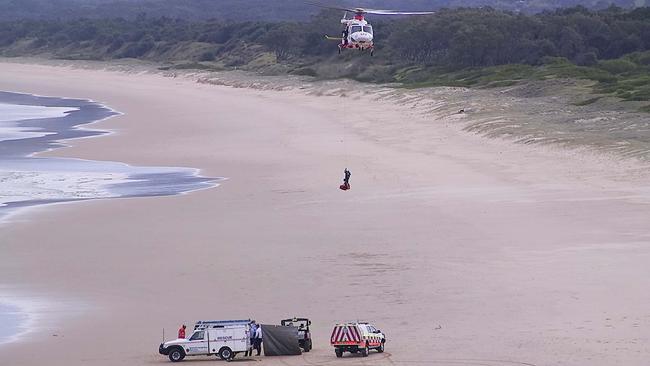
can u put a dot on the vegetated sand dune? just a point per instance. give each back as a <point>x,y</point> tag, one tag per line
<point>463,250</point>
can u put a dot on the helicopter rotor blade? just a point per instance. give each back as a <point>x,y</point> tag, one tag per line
<point>371,11</point>
<point>329,7</point>
<point>397,12</point>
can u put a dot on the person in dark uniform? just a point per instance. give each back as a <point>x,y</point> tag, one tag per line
<point>258,340</point>
<point>346,181</point>
<point>253,329</point>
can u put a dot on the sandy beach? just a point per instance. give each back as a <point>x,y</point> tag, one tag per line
<point>464,250</point>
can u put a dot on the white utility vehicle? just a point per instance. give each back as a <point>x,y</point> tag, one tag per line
<point>224,338</point>
<point>357,337</point>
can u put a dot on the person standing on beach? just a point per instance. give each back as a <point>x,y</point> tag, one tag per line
<point>252,331</point>
<point>258,340</point>
<point>181,332</point>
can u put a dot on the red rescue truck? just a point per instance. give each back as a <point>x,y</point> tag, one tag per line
<point>357,337</point>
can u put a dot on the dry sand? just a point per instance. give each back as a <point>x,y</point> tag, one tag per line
<point>464,250</point>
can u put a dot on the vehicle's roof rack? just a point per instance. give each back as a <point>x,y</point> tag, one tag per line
<point>295,320</point>
<point>352,322</point>
<point>204,324</point>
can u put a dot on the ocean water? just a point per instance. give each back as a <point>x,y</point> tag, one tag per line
<point>13,321</point>
<point>12,114</point>
<point>31,124</point>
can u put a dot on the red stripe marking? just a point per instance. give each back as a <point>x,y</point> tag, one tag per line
<point>357,336</point>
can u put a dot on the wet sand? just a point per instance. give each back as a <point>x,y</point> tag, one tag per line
<point>464,250</point>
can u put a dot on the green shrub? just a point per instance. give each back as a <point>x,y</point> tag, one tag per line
<point>587,101</point>
<point>619,66</point>
<point>306,71</point>
<point>639,58</point>
<point>207,56</point>
<point>640,94</point>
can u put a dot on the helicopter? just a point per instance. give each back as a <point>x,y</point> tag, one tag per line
<point>358,32</point>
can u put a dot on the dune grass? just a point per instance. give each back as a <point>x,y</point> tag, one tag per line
<point>627,78</point>
<point>587,101</point>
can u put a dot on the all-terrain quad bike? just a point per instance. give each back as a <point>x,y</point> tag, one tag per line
<point>304,335</point>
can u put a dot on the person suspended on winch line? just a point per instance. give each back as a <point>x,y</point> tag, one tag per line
<point>346,181</point>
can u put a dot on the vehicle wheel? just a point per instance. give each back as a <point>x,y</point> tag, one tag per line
<point>365,350</point>
<point>380,349</point>
<point>307,346</point>
<point>176,355</point>
<point>339,50</point>
<point>225,353</point>
<point>339,352</point>
<point>372,53</point>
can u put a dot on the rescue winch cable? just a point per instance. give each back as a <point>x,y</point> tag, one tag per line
<point>346,185</point>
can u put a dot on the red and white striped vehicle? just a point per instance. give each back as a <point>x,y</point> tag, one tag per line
<point>357,337</point>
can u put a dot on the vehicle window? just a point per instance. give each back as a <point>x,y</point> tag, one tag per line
<point>197,336</point>
<point>367,29</point>
<point>355,28</point>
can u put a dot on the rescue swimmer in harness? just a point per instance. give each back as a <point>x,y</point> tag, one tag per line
<point>346,181</point>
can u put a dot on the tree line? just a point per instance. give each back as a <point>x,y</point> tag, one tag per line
<point>257,10</point>
<point>451,38</point>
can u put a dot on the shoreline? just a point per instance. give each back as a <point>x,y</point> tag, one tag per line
<point>33,313</point>
<point>83,127</point>
<point>21,156</point>
<point>20,316</point>
<point>16,321</point>
<point>496,242</point>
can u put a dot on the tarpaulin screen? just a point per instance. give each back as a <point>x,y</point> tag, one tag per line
<point>279,340</point>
